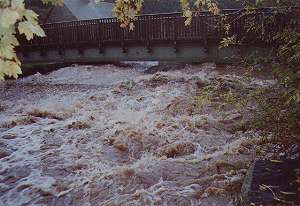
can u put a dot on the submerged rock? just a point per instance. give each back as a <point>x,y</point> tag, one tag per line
<point>164,67</point>
<point>272,183</point>
<point>4,153</point>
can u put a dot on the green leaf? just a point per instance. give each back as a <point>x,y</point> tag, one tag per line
<point>29,30</point>
<point>9,68</point>
<point>8,17</point>
<point>17,5</point>
<point>31,16</point>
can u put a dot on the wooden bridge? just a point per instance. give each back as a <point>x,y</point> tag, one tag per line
<point>157,37</point>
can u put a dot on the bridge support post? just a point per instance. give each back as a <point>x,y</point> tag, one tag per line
<point>100,47</point>
<point>61,51</point>
<point>149,49</point>
<point>80,51</point>
<point>43,53</point>
<point>124,49</point>
<point>241,49</point>
<point>175,44</point>
<point>25,54</point>
<point>205,44</point>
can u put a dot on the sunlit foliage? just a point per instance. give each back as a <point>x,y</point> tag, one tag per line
<point>126,11</point>
<point>16,19</point>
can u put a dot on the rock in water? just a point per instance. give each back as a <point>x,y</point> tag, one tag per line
<point>272,183</point>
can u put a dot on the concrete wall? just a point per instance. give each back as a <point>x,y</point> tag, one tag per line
<point>164,52</point>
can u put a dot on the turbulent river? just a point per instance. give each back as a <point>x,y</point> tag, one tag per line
<point>110,135</point>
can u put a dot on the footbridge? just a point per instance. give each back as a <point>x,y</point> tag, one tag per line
<point>157,37</point>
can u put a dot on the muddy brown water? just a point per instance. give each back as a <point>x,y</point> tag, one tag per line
<point>109,135</point>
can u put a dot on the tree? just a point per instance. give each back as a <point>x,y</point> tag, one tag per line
<point>15,19</point>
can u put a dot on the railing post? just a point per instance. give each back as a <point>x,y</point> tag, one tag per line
<point>61,50</point>
<point>175,33</point>
<point>205,32</point>
<point>100,32</point>
<point>124,49</point>
<point>147,22</point>
<point>81,28</point>
<point>43,53</point>
<point>42,44</point>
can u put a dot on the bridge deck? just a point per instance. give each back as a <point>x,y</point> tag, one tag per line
<point>168,30</point>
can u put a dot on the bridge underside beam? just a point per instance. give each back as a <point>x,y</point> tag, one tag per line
<point>161,52</point>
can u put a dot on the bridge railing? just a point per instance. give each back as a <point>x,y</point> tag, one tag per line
<point>158,28</point>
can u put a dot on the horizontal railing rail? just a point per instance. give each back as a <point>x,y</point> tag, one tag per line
<point>168,27</point>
